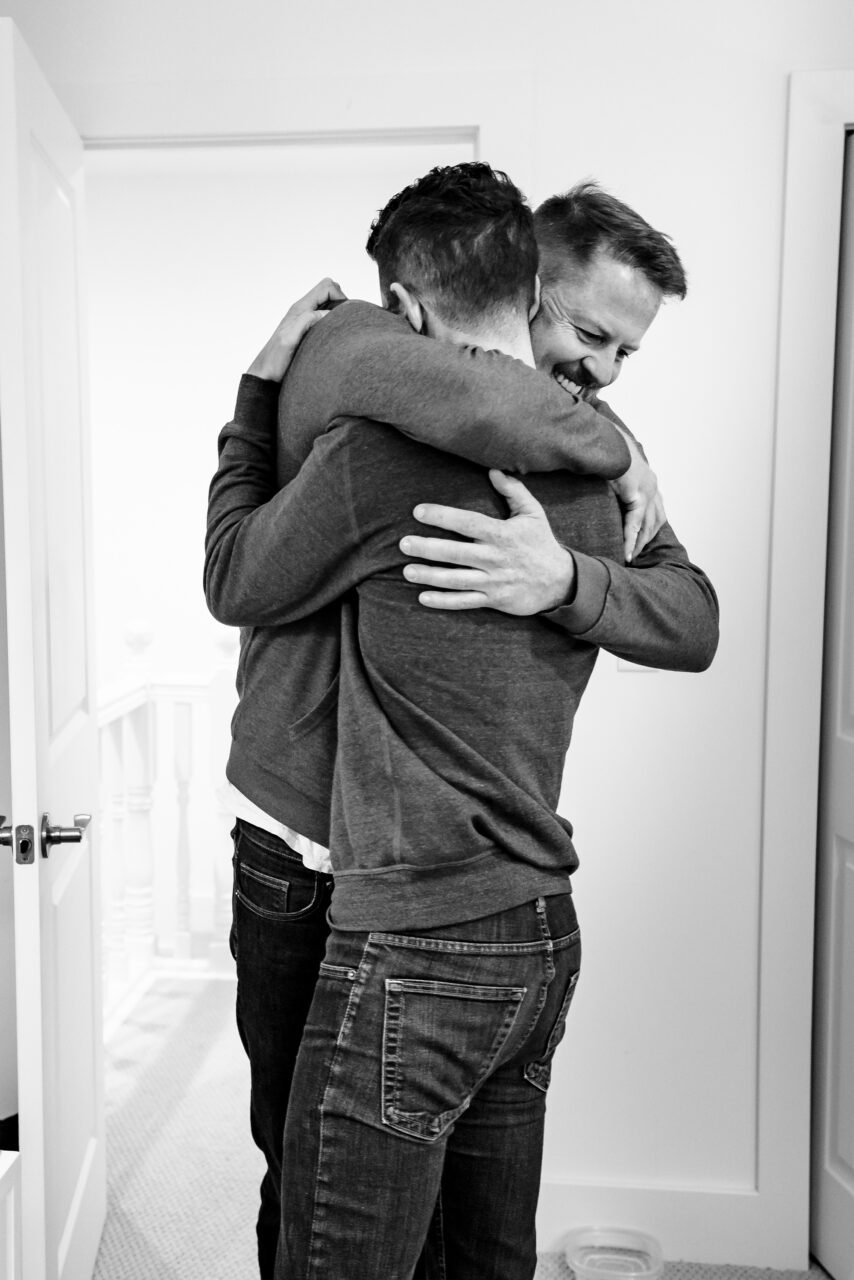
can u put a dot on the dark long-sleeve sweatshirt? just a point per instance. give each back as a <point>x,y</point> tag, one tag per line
<point>284,732</point>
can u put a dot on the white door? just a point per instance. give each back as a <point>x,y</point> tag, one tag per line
<point>51,724</point>
<point>833,1117</point>
<point>10,1216</point>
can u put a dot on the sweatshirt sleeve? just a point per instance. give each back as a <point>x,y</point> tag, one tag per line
<point>244,480</point>
<point>660,611</point>
<point>272,562</point>
<point>480,405</point>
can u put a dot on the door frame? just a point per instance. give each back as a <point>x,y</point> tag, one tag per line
<point>821,107</point>
<point>346,109</point>
<point>821,110</point>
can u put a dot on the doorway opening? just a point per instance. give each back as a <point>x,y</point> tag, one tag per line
<point>195,251</point>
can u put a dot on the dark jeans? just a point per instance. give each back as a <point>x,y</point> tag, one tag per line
<point>278,939</point>
<point>422,1077</point>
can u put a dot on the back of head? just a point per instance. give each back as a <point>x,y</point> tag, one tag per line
<point>462,240</point>
<point>586,221</point>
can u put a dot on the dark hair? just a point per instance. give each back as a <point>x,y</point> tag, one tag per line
<point>587,220</point>
<point>461,238</point>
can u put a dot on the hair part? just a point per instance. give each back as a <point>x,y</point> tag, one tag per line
<point>462,240</point>
<point>587,220</point>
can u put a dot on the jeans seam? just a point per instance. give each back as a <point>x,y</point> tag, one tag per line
<point>453,946</point>
<point>541,1068</point>
<point>346,1021</point>
<point>568,940</point>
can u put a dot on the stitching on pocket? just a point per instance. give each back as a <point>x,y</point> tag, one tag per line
<point>539,1073</point>
<point>460,1074</point>
<point>283,886</point>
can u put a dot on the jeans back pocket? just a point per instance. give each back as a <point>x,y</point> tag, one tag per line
<point>440,1042</point>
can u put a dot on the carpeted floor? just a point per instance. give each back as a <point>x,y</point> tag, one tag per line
<point>182,1169</point>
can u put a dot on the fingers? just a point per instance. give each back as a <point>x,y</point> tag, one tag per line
<point>453,600</point>
<point>520,500</point>
<point>639,532</point>
<point>469,523</point>
<point>443,549</point>
<point>325,291</point>
<point>632,537</point>
<point>430,575</point>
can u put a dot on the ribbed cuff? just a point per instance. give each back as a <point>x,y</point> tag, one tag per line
<point>592,581</point>
<point>255,395</point>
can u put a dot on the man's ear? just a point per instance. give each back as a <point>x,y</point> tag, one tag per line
<point>405,303</point>
<point>535,305</point>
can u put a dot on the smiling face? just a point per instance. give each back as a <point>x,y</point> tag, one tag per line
<point>591,318</point>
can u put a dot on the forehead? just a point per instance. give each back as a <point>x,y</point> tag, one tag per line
<point>609,297</point>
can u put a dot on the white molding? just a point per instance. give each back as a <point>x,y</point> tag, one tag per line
<point>328,137</point>
<point>821,108</point>
<point>769,1226</point>
<point>217,112</point>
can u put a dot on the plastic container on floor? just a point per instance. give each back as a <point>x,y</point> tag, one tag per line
<point>613,1253</point>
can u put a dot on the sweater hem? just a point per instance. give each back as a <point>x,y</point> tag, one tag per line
<point>391,899</point>
<point>278,798</point>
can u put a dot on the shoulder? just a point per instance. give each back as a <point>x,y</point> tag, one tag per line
<point>383,465</point>
<point>356,321</point>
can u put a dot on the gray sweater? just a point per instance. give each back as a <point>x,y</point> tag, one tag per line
<point>451,728</point>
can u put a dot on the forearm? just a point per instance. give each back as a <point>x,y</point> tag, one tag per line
<point>244,480</point>
<point>271,557</point>
<point>661,611</point>
<point>480,405</point>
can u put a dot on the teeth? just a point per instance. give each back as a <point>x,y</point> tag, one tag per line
<point>573,387</point>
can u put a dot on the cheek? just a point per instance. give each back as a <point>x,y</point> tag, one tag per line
<point>553,344</point>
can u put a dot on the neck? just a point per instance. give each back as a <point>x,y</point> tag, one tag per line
<point>512,338</point>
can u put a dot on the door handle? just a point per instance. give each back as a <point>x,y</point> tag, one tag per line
<point>63,835</point>
<point>7,836</point>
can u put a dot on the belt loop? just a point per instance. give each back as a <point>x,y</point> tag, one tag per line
<point>543,919</point>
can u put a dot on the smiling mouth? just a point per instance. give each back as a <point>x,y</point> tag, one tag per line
<point>574,388</point>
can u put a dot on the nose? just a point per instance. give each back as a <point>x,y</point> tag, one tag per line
<point>602,367</point>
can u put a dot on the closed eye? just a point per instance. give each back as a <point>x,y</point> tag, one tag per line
<point>593,339</point>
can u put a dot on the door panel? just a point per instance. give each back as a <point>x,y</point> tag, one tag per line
<point>51,722</point>
<point>10,1216</point>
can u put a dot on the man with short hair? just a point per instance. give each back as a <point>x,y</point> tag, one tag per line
<point>604,272</point>
<point>451,738</point>
<point>473,403</point>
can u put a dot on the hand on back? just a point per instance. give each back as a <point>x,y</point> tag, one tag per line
<point>277,353</point>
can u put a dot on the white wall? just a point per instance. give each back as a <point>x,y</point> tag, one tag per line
<point>194,256</point>
<point>681,111</point>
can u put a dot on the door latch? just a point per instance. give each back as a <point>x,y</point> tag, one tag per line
<point>21,837</point>
<point>63,835</point>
